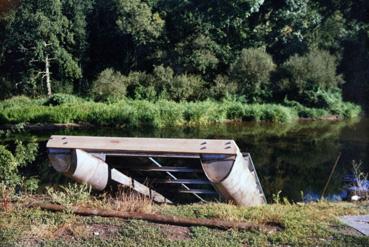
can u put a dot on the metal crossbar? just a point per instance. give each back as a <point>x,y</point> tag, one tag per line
<point>174,178</point>
<point>181,181</point>
<point>164,169</point>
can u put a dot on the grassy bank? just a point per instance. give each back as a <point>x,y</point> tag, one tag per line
<point>312,224</point>
<point>133,113</point>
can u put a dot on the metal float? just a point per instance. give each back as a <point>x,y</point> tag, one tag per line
<point>166,170</point>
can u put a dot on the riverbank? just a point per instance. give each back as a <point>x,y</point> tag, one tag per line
<point>281,224</point>
<point>135,113</point>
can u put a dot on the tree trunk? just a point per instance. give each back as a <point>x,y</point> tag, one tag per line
<point>47,75</point>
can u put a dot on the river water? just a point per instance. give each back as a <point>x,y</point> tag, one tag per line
<point>294,160</point>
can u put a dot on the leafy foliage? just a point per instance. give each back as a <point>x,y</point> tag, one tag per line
<point>70,194</point>
<point>8,167</point>
<point>303,76</point>
<point>222,87</point>
<point>206,49</point>
<point>38,30</point>
<point>60,98</point>
<point>252,71</point>
<point>109,85</point>
<point>10,163</point>
<point>136,18</point>
<point>186,87</point>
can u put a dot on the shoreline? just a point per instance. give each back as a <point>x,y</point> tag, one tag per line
<point>61,126</point>
<point>33,114</point>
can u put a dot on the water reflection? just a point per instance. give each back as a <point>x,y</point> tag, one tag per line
<point>295,159</point>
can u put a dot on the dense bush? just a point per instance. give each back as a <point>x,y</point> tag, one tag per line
<point>16,101</point>
<point>332,101</point>
<point>140,86</point>
<point>251,71</point>
<point>8,168</point>
<point>60,98</point>
<point>303,77</point>
<point>186,87</point>
<point>176,87</point>
<point>109,85</point>
<point>10,163</point>
<point>222,87</point>
<point>164,84</point>
<point>162,78</point>
<point>171,113</point>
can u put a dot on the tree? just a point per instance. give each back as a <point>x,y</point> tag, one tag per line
<point>251,71</point>
<point>37,33</point>
<point>136,18</point>
<point>355,68</point>
<point>196,54</point>
<point>203,37</point>
<point>302,77</point>
<point>290,22</point>
<point>77,12</point>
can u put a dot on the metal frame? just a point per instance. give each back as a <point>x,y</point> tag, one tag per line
<point>223,166</point>
<point>175,178</point>
<point>255,174</point>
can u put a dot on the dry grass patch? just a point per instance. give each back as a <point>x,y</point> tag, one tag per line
<point>128,201</point>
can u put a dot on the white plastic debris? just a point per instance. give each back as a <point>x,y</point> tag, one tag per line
<point>355,198</point>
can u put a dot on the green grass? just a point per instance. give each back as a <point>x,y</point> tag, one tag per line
<point>298,225</point>
<point>135,113</point>
<point>313,224</point>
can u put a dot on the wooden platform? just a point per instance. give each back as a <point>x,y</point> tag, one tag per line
<point>143,145</point>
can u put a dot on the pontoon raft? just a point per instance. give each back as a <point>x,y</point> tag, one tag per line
<point>166,170</point>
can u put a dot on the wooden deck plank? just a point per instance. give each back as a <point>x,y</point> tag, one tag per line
<point>145,145</point>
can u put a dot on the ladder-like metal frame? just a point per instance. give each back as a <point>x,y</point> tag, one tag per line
<point>188,189</point>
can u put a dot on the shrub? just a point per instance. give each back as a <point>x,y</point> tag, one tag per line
<point>9,163</point>
<point>186,87</point>
<point>235,110</point>
<point>269,112</point>
<point>147,92</point>
<point>305,112</point>
<point>109,85</point>
<point>205,112</point>
<point>61,98</point>
<point>161,79</point>
<point>30,185</point>
<point>301,77</point>
<point>222,87</point>
<point>25,153</point>
<point>145,113</point>
<point>140,86</point>
<point>16,101</point>
<point>171,113</point>
<point>251,71</point>
<point>70,194</point>
<point>8,168</point>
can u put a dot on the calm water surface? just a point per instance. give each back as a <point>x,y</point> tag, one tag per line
<point>293,159</point>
